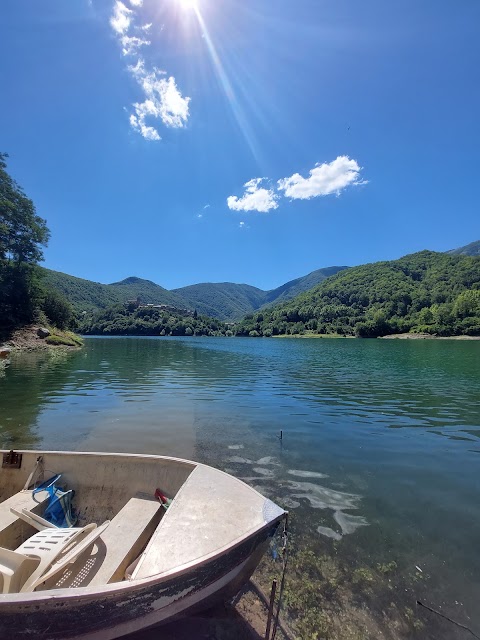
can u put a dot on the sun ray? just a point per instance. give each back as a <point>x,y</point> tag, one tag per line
<point>188,4</point>
<point>226,85</point>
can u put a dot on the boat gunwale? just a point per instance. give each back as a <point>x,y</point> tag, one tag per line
<point>87,592</point>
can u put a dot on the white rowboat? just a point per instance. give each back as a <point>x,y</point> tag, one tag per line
<point>147,565</point>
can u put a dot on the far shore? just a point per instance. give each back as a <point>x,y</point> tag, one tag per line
<point>394,336</point>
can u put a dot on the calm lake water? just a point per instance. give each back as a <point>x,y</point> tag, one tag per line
<point>381,438</point>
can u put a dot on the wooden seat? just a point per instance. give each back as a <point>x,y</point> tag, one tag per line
<point>125,538</point>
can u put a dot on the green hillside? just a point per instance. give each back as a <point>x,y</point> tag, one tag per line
<point>423,292</point>
<point>295,287</point>
<point>472,249</point>
<point>223,300</point>
<point>86,295</point>
<point>148,321</point>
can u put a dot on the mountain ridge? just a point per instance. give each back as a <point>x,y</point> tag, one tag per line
<point>472,249</point>
<point>225,301</point>
<point>424,292</point>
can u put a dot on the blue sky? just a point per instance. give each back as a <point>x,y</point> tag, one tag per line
<point>136,141</point>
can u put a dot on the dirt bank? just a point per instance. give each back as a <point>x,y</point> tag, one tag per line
<point>30,339</point>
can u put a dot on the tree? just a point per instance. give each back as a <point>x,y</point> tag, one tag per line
<point>22,234</point>
<point>57,309</point>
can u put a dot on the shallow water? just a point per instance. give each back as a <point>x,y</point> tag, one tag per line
<point>380,448</point>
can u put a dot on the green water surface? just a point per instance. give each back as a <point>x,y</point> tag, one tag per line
<point>380,450</point>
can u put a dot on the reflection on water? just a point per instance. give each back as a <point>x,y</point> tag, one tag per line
<point>379,437</point>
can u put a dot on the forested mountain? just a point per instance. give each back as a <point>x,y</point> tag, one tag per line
<point>223,300</point>
<point>428,292</point>
<point>293,288</point>
<point>86,295</point>
<point>226,301</point>
<point>472,249</point>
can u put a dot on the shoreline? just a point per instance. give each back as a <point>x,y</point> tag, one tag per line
<point>30,338</point>
<point>394,336</point>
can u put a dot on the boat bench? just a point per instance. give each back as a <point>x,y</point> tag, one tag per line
<point>126,536</point>
<point>10,525</point>
<point>206,515</point>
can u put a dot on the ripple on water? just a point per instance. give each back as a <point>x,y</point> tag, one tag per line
<point>289,503</point>
<point>267,460</point>
<point>239,460</point>
<point>329,533</point>
<point>306,474</point>
<point>324,498</point>
<point>235,446</point>
<point>349,523</point>
<point>263,472</point>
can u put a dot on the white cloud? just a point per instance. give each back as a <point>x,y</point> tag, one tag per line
<point>163,101</point>
<point>242,225</point>
<point>324,179</point>
<point>121,18</point>
<point>254,199</point>
<point>149,133</point>
<point>131,44</point>
<point>206,206</point>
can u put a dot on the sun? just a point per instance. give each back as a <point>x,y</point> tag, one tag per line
<point>188,4</point>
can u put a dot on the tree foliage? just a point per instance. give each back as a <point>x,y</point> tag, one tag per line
<point>57,309</point>
<point>22,235</point>
<point>423,292</point>
<point>148,321</point>
<point>22,231</point>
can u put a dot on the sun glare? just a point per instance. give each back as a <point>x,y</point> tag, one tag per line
<point>187,4</point>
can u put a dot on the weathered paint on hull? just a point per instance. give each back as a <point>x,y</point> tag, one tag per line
<point>118,612</point>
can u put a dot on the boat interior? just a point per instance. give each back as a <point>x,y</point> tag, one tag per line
<point>136,517</point>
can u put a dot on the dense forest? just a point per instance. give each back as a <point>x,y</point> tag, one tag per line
<point>427,292</point>
<point>122,320</point>
<point>222,300</point>
<point>23,233</point>
<point>85,295</point>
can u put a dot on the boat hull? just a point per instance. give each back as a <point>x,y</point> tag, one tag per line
<point>133,607</point>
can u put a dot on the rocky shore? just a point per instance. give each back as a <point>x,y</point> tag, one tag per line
<point>35,337</point>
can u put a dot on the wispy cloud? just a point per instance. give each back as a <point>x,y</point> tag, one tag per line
<point>324,179</point>
<point>121,18</point>
<point>131,44</point>
<point>255,198</point>
<point>162,99</point>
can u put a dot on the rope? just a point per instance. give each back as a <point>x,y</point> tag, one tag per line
<point>38,465</point>
<point>458,624</point>
<point>282,581</point>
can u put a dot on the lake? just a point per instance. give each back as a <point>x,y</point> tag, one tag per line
<point>379,461</point>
